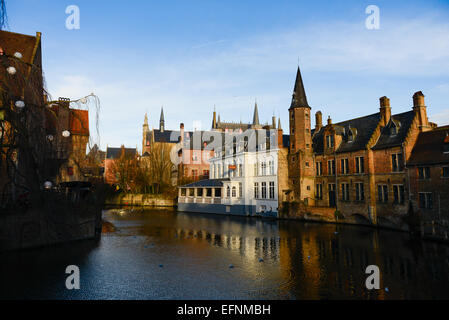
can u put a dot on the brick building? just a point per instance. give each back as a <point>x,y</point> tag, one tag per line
<point>113,154</point>
<point>428,169</point>
<point>356,166</point>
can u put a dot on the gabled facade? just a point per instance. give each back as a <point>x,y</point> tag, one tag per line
<point>428,170</point>
<point>355,166</point>
<point>244,180</point>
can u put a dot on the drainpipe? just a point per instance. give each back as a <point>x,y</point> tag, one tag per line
<point>336,181</point>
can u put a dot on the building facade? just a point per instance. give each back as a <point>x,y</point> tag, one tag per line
<point>244,180</point>
<point>356,166</point>
<point>428,170</point>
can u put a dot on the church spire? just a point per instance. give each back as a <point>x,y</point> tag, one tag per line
<point>279,124</point>
<point>299,99</point>
<point>256,115</point>
<point>145,122</point>
<point>162,121</point>
<point>214,120</point>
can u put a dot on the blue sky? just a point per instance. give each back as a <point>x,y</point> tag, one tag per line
<point>191,55</point>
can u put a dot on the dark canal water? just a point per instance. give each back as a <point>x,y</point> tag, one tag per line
<point>161,254</point>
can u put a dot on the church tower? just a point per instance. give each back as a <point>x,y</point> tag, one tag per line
<point>145,131</point>
<point>301,153</point>
<point>162,121</point>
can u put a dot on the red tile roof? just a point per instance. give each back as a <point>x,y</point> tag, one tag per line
<point>429,147</point>
<point>12,42</point>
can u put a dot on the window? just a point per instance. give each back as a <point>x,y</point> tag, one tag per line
<point>344,166</point>
<point>398,191</point>
<point>293,146</point>
<point>445,172</point>
<point>345,191</point>
<point>319,168</point>
<point>350,136</point>
<point>206,174</point>
<point>425,200</point>
<point>382,193</point>
<point>240,190</point>
<point>183,192</point>
<point>228,191</point>
<point>307,164</point>
<point>359,165</point>
<point>209,192</point>
<point>397,162</point>
<point>217,192</point>
<point>194,174</point>
<point>234,192</point>
<point>331,167</point>
<point>191,192</point>
<point>240,170</point>
<point>256,169</point>
<point>199,192</point>
<point>272,190</point>
<point>264,168</point>
<point>319,191</point>
<point>330,141</point>
<point>424,172</point>
<point>272,168</point>
<point>293,130</point>
<point>393,130</point>
<point>264,190</point>
<point>359,192</point>
<point>256,190</point>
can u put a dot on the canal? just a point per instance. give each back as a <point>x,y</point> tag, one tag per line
<point>162,254</point>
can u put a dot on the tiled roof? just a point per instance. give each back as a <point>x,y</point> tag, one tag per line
<point>386,139</point>
<point>114,153</point>
<point>166,136</point>
<point>429,147</point>
<point>12,42</point>
<point>364,127</point>
<point>206,183</point>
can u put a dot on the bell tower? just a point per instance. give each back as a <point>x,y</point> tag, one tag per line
<point>299,112</point>
<point>301,163</point>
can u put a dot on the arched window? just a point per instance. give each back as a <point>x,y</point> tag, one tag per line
<point>228,192</point>
<point>234,192</point>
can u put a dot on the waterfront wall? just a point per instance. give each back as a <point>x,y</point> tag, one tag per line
<point>44,226</point>
<point>300,211</point>
<point>144,200</point>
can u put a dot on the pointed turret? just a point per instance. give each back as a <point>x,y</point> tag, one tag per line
<point>145,122</point>
<point>279,124</point>
<point>214,120</point>
<point>162,121</point>
<point>299,99</point>
<point>256,115</point>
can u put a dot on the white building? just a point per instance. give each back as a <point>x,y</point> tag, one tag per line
<point>246,177</point>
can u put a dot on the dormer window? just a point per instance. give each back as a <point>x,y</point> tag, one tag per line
<point>393,130</point>
<point>330,141</point>
<point>350,136</point>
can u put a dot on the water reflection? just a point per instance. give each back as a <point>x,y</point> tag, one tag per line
<point>271,259</point>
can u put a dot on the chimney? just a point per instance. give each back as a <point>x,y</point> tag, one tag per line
<point>318,121</point>
<point>419,107</point>
<point>273,122</point>
<point>280,135</point>
<point>181,129</point>
<point>385,110</point>
<point>329,121</point>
